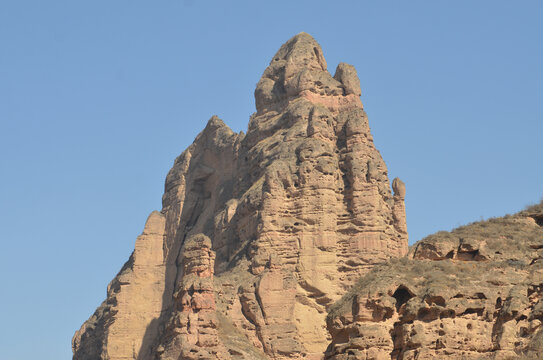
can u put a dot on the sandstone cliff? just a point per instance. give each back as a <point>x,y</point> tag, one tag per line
<point>261,233</point>
<point>473,293</point>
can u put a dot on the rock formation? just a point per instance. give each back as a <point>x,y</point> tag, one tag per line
<point>125,323</point>
<point>473,293</point>
<point>192,330</point>
<point>261,233</point>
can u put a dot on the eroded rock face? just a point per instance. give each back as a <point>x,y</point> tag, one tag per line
<point>125,324</point>
<point>192,330</point>
<point>473,293</point>
<point>263,232</point>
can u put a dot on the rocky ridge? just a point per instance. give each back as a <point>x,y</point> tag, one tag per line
<point>260,233</point>
<point>473,293</point>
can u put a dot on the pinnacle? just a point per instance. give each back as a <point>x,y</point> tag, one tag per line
<point>299,69</point>
<point>154,223</point>
<point>215,126</point>
<point>302,50</point>
<point>238,204</point>
<point>215,121</point>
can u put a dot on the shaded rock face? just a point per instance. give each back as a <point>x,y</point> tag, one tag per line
<point>260,233</point>
<point>473,293</point>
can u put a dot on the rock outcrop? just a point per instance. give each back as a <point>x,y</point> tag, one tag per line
<point>192,330</point>
<point>473,293</point>
<point>261,233</point>
<point>125,324</point>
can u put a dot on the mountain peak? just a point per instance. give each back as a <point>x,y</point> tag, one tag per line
<point>298,69</point>
<point>258,234</point>
<point>302,50</point>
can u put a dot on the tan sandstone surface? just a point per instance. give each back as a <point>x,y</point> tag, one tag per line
<point>260,233</point>
<point>473,293</point>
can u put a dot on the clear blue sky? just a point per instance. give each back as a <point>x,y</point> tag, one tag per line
<point>97,98</point>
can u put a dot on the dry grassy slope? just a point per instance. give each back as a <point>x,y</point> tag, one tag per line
<point>474,292</point>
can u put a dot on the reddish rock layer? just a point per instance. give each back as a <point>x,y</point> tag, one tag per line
<point>192,330</point>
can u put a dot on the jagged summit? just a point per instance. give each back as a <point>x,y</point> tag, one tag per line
<point>214,126</point>
<point>302,50</point>
<point>258,234</point>
<point>299,69</point>
<point>215,121</point>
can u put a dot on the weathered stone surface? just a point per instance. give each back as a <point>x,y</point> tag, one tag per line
<point>346,74</point>
<point>192,330</point>
<point>473,293</point>
<point>126,322</point>
<point>263,232</point>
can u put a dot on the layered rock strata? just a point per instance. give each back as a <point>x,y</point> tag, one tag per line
<point>473,293</point>
<point>192,330</point>
<point>294,211</point>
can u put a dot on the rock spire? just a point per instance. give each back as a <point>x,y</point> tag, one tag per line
<point>260,233</point>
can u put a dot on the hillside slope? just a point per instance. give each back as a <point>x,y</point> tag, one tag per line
<point>472,293</point>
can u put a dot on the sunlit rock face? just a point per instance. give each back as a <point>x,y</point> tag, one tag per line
<point>473,293</point>
<point>260,233</point>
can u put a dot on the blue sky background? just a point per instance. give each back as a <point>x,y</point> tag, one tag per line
<point>97,98</point>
